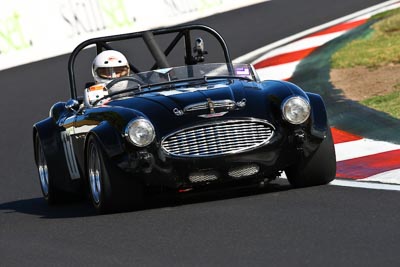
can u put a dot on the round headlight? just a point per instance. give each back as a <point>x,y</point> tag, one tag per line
<point>296,110</point>
<point>140,132</point>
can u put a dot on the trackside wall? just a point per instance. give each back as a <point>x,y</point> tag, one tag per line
<point>35,30</point>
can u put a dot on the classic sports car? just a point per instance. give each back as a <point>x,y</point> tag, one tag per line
<point>180,126</point>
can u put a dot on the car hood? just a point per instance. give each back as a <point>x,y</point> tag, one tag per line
<point>181,97</point>
<point>182,107</point>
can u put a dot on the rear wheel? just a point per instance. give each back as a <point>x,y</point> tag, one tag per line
<point>50,193</point>
<point>318,169</point>
<point>110,188</point>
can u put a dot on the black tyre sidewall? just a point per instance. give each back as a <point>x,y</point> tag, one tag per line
<point>105,199</point>
<point>118,191</point>
<point>51,197</point>
<point>318,169</point>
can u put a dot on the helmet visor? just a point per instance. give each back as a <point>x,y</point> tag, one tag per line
<point>112,72</point>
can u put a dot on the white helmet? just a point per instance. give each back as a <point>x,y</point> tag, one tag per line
<point>108,65</point>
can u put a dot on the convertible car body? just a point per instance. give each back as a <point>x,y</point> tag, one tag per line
<point>180,127</point>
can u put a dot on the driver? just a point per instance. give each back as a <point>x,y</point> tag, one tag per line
<point>106,66</point>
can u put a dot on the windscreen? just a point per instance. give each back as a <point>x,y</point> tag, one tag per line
<point>197,71</point>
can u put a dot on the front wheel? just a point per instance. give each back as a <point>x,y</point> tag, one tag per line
<point>110,188</point>
<point>318,169</point>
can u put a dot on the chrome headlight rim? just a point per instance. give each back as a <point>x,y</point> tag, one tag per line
<point>305,105</point>
<point>135,123</point>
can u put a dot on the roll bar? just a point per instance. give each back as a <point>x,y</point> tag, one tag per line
<point>159,56</point>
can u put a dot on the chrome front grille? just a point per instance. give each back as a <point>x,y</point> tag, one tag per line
<point>220,138</point>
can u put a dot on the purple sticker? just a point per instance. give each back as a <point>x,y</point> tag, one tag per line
<point>242,71</point>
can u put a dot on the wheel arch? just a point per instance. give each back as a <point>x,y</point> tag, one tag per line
<point>319,118</point>
<point>109,138</point>
<point>50,138</point>
<point>34,134</point>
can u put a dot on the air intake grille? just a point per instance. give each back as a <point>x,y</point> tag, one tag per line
<point>244,171</point>
<point>203,176</point>
<point>218,139</point>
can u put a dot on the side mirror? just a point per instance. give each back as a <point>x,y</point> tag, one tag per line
<point>72,105</point>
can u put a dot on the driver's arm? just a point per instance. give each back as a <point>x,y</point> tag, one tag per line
<point>94,93</point>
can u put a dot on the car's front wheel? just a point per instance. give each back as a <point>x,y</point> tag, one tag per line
<point>318,169</point>
<point>110,188</point>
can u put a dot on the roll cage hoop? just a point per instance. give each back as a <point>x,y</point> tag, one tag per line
<point>159,56</point>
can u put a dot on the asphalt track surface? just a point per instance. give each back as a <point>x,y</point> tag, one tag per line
<point>276,226</point>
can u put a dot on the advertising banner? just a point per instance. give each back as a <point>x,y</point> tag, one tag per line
<point>35,30</point>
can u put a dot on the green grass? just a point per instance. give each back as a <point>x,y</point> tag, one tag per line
<point>388,103</point>
<point>381,46</point>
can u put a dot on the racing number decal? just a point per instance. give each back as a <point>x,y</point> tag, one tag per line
<point>70,155</point>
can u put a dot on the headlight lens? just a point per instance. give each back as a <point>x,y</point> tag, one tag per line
<point>140,132</point>
<point>296,110</point>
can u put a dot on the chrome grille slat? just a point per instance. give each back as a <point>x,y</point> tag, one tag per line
<point>200,135</point>
<point>221,142</point>
<point>221,138</point>
<point>204,143</point>
<point>207,141</point>
<point>232,144</point>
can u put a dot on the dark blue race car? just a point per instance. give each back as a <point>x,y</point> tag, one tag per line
<point>184,123</point>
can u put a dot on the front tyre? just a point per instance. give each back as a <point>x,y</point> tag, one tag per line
<point>318,169</point>
<point>110,188</point>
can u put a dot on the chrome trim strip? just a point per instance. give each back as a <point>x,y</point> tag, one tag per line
<point>229,104</point>
<point>226,104</point>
